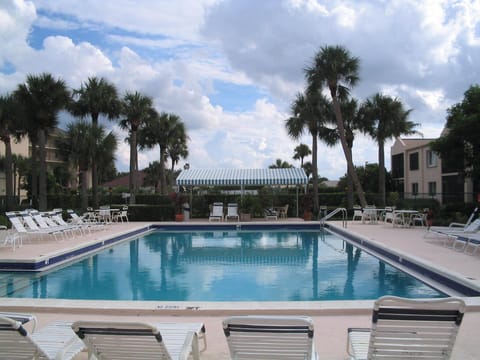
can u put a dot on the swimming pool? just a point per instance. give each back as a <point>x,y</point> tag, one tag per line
<point>288,265</point>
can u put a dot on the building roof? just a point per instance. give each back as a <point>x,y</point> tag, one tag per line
<point>238,177</point>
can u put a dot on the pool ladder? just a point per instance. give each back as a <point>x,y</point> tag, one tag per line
<point>333,213</point>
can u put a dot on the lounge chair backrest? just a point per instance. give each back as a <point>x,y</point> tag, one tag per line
<point>269,337</point>
<point>474,226</point>
<point>420,329</point>
<point>30,223</point>
<point>15,342</point>
<point>232,209</point>
<point>17,224</point>
<point>107,340</point>
<point>217,209</point>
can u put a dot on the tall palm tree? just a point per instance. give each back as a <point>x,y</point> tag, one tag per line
<point>385,118</point>
<point>137,110</point>
<point>21,167</point>
<point>352,123</point>
<point>310,113</point>
<point>11,119</point>
<point>42,97</point>
<point>335,69</point>
<point>94,98</point>
<point>162,130</point>
<point>300,152</point>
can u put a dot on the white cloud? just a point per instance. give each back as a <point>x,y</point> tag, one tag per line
<point>426,53</point>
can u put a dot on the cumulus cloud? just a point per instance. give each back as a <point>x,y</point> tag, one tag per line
<point>180,53</point>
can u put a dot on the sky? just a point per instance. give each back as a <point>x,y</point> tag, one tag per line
<point>232,68</point>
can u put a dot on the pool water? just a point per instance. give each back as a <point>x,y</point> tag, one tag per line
<point>222,266</point>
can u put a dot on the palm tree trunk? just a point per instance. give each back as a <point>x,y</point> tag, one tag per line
<point>381,173</point>
<point>94,166</point>
<point>133,173</point>
<point>348,156</point>
<point>42,176</point>
<point>349,186</point>
<point>34,170</point>
<point>8,173</point>
<point>163,179</point>
<point>83,190</point>
<point>315,173</point>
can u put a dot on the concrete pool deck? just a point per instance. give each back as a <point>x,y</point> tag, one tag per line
<point>331,318</point>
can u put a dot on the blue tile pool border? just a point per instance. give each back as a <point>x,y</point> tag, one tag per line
<point>418,268</point>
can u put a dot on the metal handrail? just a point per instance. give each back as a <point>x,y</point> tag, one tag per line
<point>333,213</point>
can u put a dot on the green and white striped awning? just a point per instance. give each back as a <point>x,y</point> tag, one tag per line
<point>239,177</point>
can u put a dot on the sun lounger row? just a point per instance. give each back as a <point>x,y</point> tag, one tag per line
<point>36,225</point>
<point>401,328</point>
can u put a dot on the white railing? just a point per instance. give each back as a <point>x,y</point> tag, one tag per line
<point>333,213</point>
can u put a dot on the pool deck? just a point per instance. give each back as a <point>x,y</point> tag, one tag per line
<point>331,318</point>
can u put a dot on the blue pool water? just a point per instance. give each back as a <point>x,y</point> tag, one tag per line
<point>222,266</point>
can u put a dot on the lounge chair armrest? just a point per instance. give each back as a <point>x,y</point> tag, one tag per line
<point>362,331</point>
<point>455,224</point>
<point>190,345</point>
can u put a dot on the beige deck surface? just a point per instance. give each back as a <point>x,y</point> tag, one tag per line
<point>331,318</point>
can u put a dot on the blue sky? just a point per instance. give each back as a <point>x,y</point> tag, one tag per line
<point>231,69</point>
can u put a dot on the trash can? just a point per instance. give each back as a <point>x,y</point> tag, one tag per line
<point>186,211</point>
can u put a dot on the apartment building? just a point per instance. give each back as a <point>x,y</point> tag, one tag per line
<point>418,172</point>
<point>24,148</point>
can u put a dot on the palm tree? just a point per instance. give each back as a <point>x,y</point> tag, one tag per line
<point>42,97</point>
<point>11,118</point>
<point>76,148</point>
<point>352,123</point>
<point>335,69</point>
<point>107,146</point>
<point>137,110</point>
<point>94,98</point>
<point>21,167</point>
<point>162,130</point>
<point>301,151</point>
<point>385,118</point>
<point>175,152</point>
<point>310,113</point>
<point>280,164</point>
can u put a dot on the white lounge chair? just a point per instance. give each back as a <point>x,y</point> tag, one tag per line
<point>54,341</point>
<point>453,231</point>
<point>32,230</point>
<point>131,340</point>
<point>408,329</point>
<point>232,212</point>
<point>270,337</point>
<point>217,212</point>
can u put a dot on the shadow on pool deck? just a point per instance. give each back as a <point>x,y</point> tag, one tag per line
<point>331,318</point>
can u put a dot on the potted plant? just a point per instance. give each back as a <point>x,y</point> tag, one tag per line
<point>307,205</point>
<point>178,199</point>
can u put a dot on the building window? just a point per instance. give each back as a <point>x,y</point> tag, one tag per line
<point>397,166</point>
<point>432,188</point>
<point>415,189</point>
<point>431,158</point>
<point>414,161</point>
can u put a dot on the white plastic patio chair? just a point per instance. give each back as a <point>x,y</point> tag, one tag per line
<point>408,329</point>
<point>217,212</point>
<point>131,340</point>
<point>357,212</point>
<point>270,337</point>
<point>54,341</point>
<point>232,212</point>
